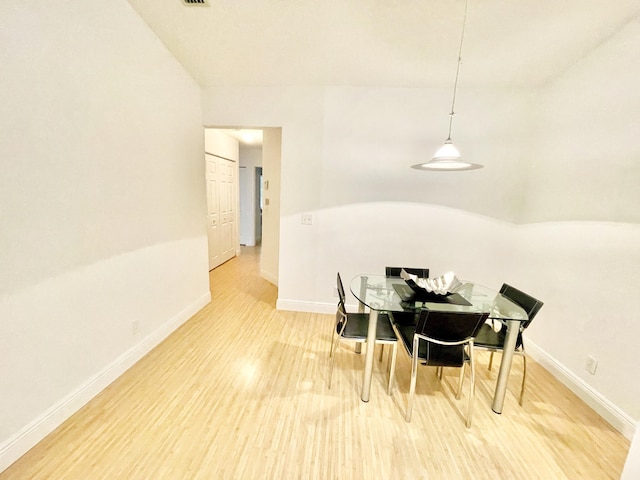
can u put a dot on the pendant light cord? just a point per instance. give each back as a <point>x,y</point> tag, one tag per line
<point>455,84</point>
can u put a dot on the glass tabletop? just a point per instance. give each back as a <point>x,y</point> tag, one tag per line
<point>377,292</point>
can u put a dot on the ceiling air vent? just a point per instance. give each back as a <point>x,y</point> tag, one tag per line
<point>196,3</point>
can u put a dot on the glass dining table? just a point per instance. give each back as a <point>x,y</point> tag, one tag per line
<point>377,293</point>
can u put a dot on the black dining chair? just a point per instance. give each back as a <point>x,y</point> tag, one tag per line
<point>395,271</point>
<point>490,339</point>
<point>442,339</point>
<point>355,326</point>
<point>405,318</point>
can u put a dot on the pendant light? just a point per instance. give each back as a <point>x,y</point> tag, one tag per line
<point>448,157</point>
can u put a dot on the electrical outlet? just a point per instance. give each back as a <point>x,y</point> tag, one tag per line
<point>335,292</point>
<point>307,219</point>
<point>591,365</point>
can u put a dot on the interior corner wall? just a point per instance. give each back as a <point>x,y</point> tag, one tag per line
<point>103,243</point>
<point>580,246</point>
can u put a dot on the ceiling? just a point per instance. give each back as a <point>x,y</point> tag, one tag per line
<point>246,136</point>
<point>401,43</point>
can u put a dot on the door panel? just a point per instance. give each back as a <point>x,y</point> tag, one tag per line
<point>213,209</point>
<point>222,211</point>
<point>226,183</point>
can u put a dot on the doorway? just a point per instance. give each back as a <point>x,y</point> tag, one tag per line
<point>250,191</point>
<point>258,198</point>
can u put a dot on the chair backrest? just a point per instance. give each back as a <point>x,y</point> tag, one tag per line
<point>395,271</point>
<point>526,301</point>
<point>341,294</point>
<point>341,312</point>
<point>441,336</point>
<point>341,318</point>
<point>449,327</point>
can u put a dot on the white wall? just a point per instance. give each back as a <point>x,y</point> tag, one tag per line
<point>298,111</point>
<point>586,273</point>
<point>364,237</point>
<point>103,244</point>
<point>582,241</point>
<point>271,175</point>
<point>371,136</point>
<point>585,167</point>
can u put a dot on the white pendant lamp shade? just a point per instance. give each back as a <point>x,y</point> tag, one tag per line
<point>448,151</point>
<point>447,158</point>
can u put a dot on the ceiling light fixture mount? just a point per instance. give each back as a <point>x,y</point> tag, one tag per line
<point>447,158</point>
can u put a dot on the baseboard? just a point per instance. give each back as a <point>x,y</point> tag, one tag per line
<point>12,449</point>
<point>607,410</point>
<point>312,307</point>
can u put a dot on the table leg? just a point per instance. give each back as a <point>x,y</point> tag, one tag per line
<point>363,290</point>
<point>505,365</point>
<point>368,358</point>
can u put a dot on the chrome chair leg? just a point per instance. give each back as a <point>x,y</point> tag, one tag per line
<point>392,367</point>
<point>335,344</point>
<point>460,381</point>
<point>333,340</point>
<point>490,361</point>
<point>414,370</point>
<point>472,387</point>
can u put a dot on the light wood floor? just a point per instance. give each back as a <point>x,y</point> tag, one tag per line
<point>240,392</point>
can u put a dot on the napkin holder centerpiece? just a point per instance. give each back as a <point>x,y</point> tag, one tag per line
<point>442,286</point>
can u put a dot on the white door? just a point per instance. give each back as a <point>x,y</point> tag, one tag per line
<point>222,210</point>
<point>227,196</point>
<point>213,208</point>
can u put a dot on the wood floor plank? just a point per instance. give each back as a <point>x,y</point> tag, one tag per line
<point>240,392</point>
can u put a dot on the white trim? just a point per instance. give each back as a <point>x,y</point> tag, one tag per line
<point>16,446</point>
<point>300,306</point>
<point>607,410</point>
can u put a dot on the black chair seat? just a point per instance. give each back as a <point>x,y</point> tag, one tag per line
<point>489,338</point>
<point>357,327</point>
<point>395,271</point>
